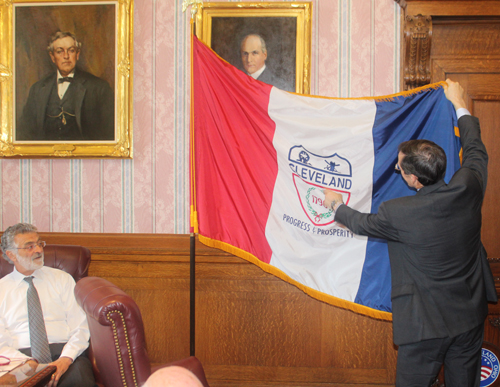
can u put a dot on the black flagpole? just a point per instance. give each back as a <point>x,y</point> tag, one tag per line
<point>192,240</point>
<point>192,295</point>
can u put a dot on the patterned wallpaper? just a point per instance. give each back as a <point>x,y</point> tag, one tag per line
<point>355,53</point>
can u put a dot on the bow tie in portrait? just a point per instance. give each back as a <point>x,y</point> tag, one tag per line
<point>65,79</point>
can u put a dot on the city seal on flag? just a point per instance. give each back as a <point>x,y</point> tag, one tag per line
<point>489,367</point>
<point>311,174</point>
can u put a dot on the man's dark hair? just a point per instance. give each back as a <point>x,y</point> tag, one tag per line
<point>424,159</point>
<point>9,235</point>
<point>60,35</point>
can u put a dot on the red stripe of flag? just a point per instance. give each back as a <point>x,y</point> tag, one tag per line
<point>235,160</point>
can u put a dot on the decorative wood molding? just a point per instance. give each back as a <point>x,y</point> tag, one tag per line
<point>416,61</point>
<point>494,320</point>
<point>467,8</point>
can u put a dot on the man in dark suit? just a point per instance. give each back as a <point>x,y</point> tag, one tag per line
<point>441,280</point>
<point>70,104</point>
<point>253,52</point>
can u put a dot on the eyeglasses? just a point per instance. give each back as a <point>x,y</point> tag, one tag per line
<point>31,247</point>
<point>397,168</point>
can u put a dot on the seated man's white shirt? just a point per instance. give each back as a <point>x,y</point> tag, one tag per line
<point>65,320</point>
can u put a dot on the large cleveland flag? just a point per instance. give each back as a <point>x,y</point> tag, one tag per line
<point>262,158</point>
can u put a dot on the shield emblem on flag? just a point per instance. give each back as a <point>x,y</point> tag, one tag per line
<point>312,174</point>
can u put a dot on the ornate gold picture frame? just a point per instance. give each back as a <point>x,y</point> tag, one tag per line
<point>92,116</point>
<point>284,28</point>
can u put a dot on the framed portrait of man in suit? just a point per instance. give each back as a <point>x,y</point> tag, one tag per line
<point>67,79</point>
<point>269,41</point>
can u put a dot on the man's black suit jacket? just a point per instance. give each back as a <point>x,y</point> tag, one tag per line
<point>94,108</point>
<point>441,279</point>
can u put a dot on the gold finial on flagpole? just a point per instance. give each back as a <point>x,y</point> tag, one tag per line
<point>193,4</point>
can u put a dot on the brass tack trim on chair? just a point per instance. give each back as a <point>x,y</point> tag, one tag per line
<point>117,346</point>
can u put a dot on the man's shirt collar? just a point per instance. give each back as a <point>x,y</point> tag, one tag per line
<point>72,75</point>
<point>18,277</point>
<point>256,74</point>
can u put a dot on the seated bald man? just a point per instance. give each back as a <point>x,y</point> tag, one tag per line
<point>173,376</point>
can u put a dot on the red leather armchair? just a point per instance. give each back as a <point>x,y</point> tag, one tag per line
<point>117,335</point>
<point>74,260</point>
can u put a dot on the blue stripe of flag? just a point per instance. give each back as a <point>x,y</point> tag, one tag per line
<point>425,115</point>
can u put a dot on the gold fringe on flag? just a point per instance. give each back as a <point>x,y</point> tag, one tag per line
<point>335,301</point>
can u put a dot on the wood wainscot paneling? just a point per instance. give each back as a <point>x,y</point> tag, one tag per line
<point>252,329</point>
<point>154,270</point>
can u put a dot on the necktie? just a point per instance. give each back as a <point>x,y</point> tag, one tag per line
<point>38,335</point>
<point>65,79</point>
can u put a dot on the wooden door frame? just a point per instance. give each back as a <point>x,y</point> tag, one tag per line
<point>416,20</point>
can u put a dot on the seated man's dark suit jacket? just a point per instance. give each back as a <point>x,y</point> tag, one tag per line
<point>94,108</point>
<point>441,280</point>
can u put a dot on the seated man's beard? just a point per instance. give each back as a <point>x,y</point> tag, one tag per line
<point>29,262</point>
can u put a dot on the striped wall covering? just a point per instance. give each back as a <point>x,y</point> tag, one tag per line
<point>355,53</point>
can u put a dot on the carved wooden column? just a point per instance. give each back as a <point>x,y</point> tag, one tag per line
<point>416,65</point>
